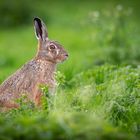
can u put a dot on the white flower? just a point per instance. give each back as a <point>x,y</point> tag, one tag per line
<point>96,14</point>
<point>119,7</point>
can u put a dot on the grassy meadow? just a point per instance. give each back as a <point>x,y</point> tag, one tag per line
<point>98,93</point>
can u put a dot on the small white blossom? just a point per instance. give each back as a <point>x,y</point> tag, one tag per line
<point>96,14</point>
<point>119,7</point>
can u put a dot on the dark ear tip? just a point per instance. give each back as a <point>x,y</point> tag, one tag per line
<point>37,19</point>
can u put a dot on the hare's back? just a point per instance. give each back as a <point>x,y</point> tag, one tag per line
<point>23,80</point>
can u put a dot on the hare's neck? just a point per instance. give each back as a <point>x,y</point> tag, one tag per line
<point>49,67</point>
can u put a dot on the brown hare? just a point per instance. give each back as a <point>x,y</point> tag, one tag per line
<point>39,71</point>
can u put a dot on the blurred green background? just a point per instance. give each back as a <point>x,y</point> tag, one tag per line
<point>95,33</point>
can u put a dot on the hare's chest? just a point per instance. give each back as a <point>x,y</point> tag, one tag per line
<point>47,77</point>
<point>48,80</point>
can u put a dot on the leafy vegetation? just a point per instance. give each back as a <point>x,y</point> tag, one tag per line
<point>101,103</point>
<point>98,86</point>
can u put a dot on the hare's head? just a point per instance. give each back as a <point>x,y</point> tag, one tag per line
<point>49,50</point>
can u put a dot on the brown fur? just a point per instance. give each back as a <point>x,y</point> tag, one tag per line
<point>38,71</point>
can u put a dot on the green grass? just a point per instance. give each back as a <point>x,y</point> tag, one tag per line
<point>101,103</point>
<point>99,85</point>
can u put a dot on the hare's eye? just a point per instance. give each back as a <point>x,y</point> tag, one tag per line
<point>52,47</point>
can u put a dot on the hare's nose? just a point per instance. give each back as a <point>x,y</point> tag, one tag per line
<point>66,55</point>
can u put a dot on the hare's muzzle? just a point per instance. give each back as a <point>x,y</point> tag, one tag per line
<point>64,57</point>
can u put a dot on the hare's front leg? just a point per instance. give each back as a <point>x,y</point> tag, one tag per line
<point>11,105</point>
<point>8,105</point>
<point>37,96</point>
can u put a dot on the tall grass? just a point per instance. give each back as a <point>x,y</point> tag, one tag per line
<point>101,103</point>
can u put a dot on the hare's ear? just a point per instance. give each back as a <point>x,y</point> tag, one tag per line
<point>40,29</point>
